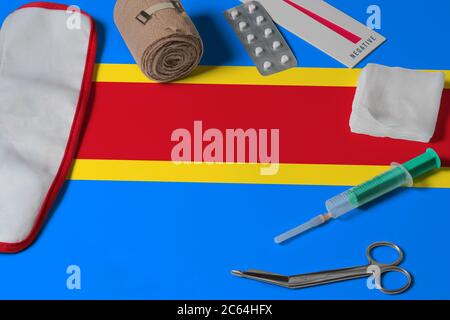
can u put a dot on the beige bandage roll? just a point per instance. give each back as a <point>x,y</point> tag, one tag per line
<point>161,37</point>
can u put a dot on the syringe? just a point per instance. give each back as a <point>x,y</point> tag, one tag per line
<point>399,175</point>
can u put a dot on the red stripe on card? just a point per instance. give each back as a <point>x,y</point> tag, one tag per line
<point>135,122</point>
<point>327,23</point>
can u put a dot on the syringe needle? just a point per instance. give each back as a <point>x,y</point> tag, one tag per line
<point>314,222</point>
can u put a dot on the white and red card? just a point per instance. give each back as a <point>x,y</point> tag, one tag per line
<point>326,28</point>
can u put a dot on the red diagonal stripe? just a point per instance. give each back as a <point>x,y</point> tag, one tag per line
<point>327,23</point>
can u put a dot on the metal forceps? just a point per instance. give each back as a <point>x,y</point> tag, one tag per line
<point>324,277</point>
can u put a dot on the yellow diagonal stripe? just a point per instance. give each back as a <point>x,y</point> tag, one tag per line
<point>238,75</point>
<point>289,174</point>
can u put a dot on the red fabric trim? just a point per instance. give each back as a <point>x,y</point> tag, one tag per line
<point>45,5</point>
<point>74,137</point>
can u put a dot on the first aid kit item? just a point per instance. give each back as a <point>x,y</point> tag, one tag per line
<point>46,68</point>
<point>161,37</point>
<point>398,176</point>
<point>261,38</point>
<point>330,276</point>
<point>397,103</point>
<point>326,28</point>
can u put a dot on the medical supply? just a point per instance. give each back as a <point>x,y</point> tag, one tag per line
<point>161,37</point>
<point>326,28</point>
<point>397,103</point>
<point>46,72</point>
<point>261,38</point>
<point>375,269</point>
<point>399,175</point>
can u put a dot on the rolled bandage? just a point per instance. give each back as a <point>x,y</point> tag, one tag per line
<point>161,37</point>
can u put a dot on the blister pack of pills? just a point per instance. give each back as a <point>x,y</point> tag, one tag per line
<point>261,38</point>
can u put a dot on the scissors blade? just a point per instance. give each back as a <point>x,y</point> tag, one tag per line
<point>304,280</point>
<point>263,276</point>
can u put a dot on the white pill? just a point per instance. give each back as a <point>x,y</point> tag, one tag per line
<point>276,45</point>
<point>242,25</point>
<point>234,14</point>
<point>251,8</point>
<point>268,32</point>
<point>258,51</point>
<point>250,38</point>
<point>285,59</point>
<point>259,19</point>
<point>267,65</point>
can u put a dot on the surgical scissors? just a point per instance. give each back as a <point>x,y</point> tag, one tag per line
<point>324,277</point>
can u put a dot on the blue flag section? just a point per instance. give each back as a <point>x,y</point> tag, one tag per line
<point>180,241</point>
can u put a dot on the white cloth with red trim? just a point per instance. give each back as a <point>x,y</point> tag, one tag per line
<point>397,103</point>
<point>42,72</point>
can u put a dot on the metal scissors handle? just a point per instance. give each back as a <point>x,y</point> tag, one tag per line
<point>324,277</point>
